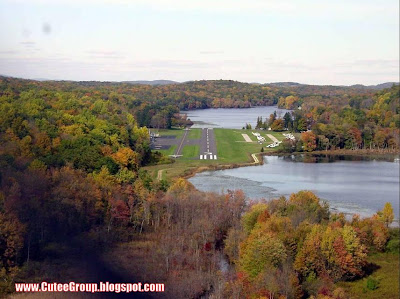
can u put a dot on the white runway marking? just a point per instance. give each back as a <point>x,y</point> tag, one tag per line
<point>201,157</point>
<point>215,157</point>
<point>211,157</point>
<point>272,138</point>
<point>247,138</point>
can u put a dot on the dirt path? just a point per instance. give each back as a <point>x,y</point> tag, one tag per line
<point>159,174</point>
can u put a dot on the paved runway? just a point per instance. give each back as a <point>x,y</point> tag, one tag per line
<point>207,144</point>
<point>208,147</point>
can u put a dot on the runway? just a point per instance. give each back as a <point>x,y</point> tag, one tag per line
<point>208,147</point>
<point>207,144</point>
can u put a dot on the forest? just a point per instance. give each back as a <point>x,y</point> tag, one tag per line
<point>339,122</point>
<point>71,171</point>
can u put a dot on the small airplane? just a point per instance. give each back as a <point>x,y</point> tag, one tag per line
<point>175,156</point>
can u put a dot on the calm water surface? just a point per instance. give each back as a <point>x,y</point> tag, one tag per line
<point>230,118</point>
<point>361,186</point>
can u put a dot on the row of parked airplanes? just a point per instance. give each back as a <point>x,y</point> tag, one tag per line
<point>289,136</point>
<point>259,137</point>
<point>276,143</point>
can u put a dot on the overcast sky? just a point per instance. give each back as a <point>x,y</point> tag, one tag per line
<point>306,41</point>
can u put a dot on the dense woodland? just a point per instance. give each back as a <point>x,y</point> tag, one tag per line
<point>71,158</point>
<point>339,122</point>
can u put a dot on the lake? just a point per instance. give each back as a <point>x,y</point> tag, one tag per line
<point>350,184</point>
<point>230,118</point>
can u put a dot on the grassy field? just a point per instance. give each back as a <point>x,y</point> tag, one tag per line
<point>179,168</point>
<point>172,132</point>
<point>194,134</point>
<point>232,148</point>
<point>387,276</point>
<point>169,151</point>
<point>190,151</point>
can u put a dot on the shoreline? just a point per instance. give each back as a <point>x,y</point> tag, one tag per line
<point>200,169</point>
<point>357,152</point>
<point>396,221</point>
<point>339,152</point>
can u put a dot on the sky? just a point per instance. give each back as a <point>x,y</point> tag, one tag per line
<point>340,42</point>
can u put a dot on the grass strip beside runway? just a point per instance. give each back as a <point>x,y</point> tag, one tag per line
<point>191,151</point>
<point>194,134</point>
<point>169,151</point>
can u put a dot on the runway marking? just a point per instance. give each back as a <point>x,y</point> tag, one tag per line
<point>215,157</point>
<point>211,157</point>
<point>201,157</point>
<point>247,138</point>
<point>272,138</point>
<point>256,161</point>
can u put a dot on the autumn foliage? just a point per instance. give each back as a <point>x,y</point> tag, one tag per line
<point>293,248</point>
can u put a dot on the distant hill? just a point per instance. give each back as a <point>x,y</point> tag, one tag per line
<point>358,86</point>
<point>41,79</point>
<point>153,82</point>
<point>285,84</point>
<point>220,82</point>
<point>376,87</point>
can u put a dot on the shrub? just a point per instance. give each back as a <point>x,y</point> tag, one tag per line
<point>393,246</point>
<point>372,284</point>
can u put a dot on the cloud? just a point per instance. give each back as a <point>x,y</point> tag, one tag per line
<point>28,44</point>
<point>8,52</point>
<point>370,63</point>
<point>315,8</point>
<point>216,52</point>
<point>204,5</point>
<point>105,54</point>
<point>170,64</point>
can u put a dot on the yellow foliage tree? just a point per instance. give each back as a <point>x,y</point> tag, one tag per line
<point>386,215</point>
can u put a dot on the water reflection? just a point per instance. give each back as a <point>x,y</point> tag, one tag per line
<point>328,158</point>
<point>351,184</point>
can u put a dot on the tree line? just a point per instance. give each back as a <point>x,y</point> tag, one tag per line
<point>354,122</point>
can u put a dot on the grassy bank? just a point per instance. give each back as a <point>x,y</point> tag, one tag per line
<point>386,277</point>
